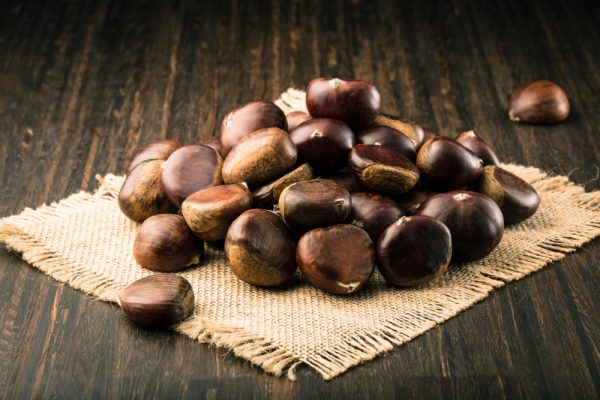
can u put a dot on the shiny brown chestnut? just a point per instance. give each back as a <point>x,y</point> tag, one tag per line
<point>260,249</point>
<point>338,259</point>
<point>389,138</point>
<point>295,118</point>
<point>142,194</point>
<point>160,150</point>
<point>382,170</point>
<point>373,213</point>
<point>413,251</point>
<point>515,197</point>
<point>310,204</point>
<point>259,157</point>
<point>267,195</point>
<point>189,169</point>
<point>539,102</point>
<point>409,130</point>
<point>448,165</point>
<point>214,142</point>
<point>158,300</point>
<point>354,102</point>
<point>474,220</point>
<point>210,211</point>
<point>410,202</point>
<point>323,143</point>
<point>165,243</point>
<point>478,146</point>
<point>347,181</point>
<point>248,118</point>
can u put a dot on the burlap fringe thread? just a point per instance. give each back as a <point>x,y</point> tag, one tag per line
<point>267,355</point>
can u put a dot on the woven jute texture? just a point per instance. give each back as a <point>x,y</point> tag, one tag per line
<point>85,241</point>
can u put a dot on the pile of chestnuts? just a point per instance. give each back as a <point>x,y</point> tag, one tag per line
<point>333,192</point>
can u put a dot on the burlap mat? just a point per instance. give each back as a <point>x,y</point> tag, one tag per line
<point>85,241</point>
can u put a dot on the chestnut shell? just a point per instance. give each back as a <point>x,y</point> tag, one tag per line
<point>347,181</point>
<point>411,131</point>
<point>160,150</point>
<point>374,213</point>
<point>295,118</point>
<point>410,202</point>
<point>539,102</point>
<point>478,146</point>
<point>267,195</point>
<point>389,138</point>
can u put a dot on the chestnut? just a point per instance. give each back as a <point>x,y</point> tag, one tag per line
<point>165,243</point>
<point>448,165</point>
<point>474,220</point>
<point>374,213</point>
<point>389,138</point>
<point>409,130</point>
<point>295,118</point>
<point>310,204</point>
<point>347,181</point>
<point>539,102</point>
<point>267,195</point>
<point>409,202</point>
<point>248,118</point>
<point>142,194</point>
<point>214,142</point>
<point>260,157</point>
<point>189,169</point>
<point>478,146</point>
<point>338,259</point>
<point>260,249</point>
<point>210,211</point>
<point>413,251</point>
<point>160,150</point>
<point>515,197</point>
<point>323,143</point>
<point>158,300</point>
<point>382,170</point>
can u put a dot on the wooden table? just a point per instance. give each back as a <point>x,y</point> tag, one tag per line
<point>83,84</point>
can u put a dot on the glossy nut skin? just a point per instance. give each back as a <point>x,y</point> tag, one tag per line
<point>539,102</point>
<point>474,220</point>
<point>515,197</point>
<point>338,259</point>
<point>295,118</point>
<point>382,170</point>
<point>409,130</point>
<point>323,143</point>
<point>165,243</point>
<point>373,213</point>
<point>189,169</point>
<point>347,181</point>
<point>410,202</point>
<point>158,300</point>
<point>478,146</point>
<point>210,211</point>
<point>142,194</point>
<point>213,142</point>
<point>248,118</point>
<point>389,138</point>
<point>413,251</point>
<point>160,150</point>
<point>260,157</point>
<point>315,203</point>
<point>447,165</point>
<point>260,249</point>
<point>267,195</point>
<point>354,102</point>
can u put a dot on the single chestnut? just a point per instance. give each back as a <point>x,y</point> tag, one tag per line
<point>248,118</point>
<point>260,157</point>
<point>158,300</point>
<point>260,249</point>
<point>267,195</point>
<point>413,251</point>
<point>160,150</point>
<point>474,220</point>
<point>515,197</point>
<point>310,204</point>
<point>410,201</point>
<point>382,170</point>
<point>165,243</point>
<point>323,143</point>
<point>389,138</point>
<point>210,211</point>
<point>539,102</point>
<point>347,181</point>
<point>448,165</point>
<point>478,146</point>
<point>189,169</point>
<point>142,194</point>
<point>338,259</point>
<point>213,142</point>
<point>354,102</point>
<point>408,129</point>
<point>295,118</point>
<point>374,213</point>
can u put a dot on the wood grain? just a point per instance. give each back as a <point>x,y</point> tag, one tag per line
<point>84,84</point>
